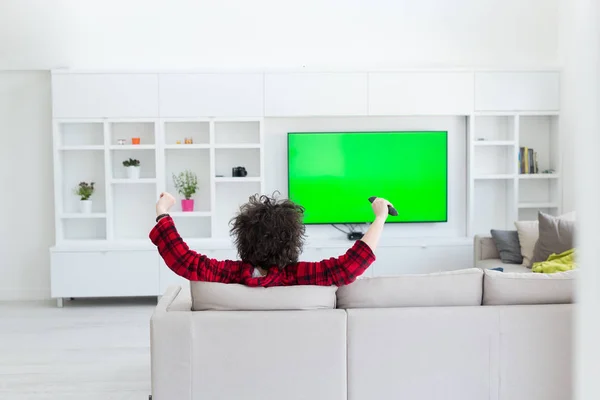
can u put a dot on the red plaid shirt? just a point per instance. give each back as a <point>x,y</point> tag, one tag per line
<point>189,264</point>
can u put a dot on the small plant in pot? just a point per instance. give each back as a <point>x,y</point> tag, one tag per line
<point>186,184</point>
<point>85,190</point>
<point>133,168</point>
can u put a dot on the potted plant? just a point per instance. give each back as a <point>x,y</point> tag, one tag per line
<point>85,190</point>
<point>186,184</point>
<point>133,168</point>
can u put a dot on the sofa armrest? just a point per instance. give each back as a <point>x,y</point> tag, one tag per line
<point>171,347</point>
<point>167,299</point>
<point>485,248</point>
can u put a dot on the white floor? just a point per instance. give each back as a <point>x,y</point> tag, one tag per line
<point>88,350</point>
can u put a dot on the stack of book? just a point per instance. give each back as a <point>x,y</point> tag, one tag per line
<point>528,163</point>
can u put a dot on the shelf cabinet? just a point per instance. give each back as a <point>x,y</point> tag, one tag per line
<point>197,161</point>
<point>104,95</point>
<point>517,91</point>
<point>316,94</point>
<point>500,193</point>
<point>212,95</point>
<point>420,93</point>
<point>123,208</point>
<point>104,274</point>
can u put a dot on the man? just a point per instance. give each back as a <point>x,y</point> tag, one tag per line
<point>269,235</point>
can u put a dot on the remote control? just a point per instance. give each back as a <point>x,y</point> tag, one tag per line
<point>391,210</point>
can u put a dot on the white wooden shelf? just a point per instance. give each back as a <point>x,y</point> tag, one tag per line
<point>539,176</point>
<point>190,214</point>
<point>132,147</point>
<point>77,148</point>
<point>538,205</point>
<point>133,181</point>
<point>224,115</point>
<point>494,143</point>
<point>494,176</point>
<point>238,146</point>
<point>236,180</point>
<point>82,215</point>
<point>187,146</point>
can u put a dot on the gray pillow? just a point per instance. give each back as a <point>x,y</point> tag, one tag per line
<point>508,245</point>
<point>556,235</point>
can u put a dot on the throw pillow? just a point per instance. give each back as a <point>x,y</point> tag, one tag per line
<point>556,235</point>
<point>509,248</point>
<point>528,232</point>
<point>226,297</point>
<point>528,236</point>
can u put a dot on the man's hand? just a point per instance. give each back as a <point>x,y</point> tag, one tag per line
<point>164,203</point>
<point>380,208</point>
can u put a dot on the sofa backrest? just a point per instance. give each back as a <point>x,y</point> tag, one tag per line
<point>484,248</point>
<point>450,288</point>
<point>506,288</point>
<point>235,297</point>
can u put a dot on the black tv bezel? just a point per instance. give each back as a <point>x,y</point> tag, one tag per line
<point>367,132</point>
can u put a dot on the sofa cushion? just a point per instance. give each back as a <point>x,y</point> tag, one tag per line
<point>509,288</point>
<point>528,236</point>
<point>451,288</point>
<point>556,235</point>
<point>223,297</point>
<point>528,232</point>
<point>497,263</point>
<point>509,248</point>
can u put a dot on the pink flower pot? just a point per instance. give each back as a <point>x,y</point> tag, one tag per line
<point>187,205</point>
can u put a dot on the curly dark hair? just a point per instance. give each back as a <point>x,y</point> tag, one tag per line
<point>269,232</point>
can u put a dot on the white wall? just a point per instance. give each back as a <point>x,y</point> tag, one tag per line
<point>276,130</point>
<point>26,201</point>
<point>36,34</point>
<point>221,34</point>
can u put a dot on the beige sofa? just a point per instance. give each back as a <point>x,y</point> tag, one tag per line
<point>408,337</point>
<point>487,257</point>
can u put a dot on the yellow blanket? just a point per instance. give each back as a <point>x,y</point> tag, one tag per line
<point>556,263</point>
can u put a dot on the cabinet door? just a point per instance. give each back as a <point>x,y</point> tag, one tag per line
<point>421,93</point>
<point>211,95</point>
<point>517,91</point>
<point>104,274</point>
<point>105,95</point>
<point>315,94</point>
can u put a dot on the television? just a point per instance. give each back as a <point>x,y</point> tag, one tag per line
<point>332,175</point>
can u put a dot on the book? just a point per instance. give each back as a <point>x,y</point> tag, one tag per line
<point>531,168</point>
<point>522,160</point>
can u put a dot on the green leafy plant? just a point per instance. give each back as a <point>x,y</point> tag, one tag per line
<point>85,190</point>
<point>186,183</point>
<point>131,163</point>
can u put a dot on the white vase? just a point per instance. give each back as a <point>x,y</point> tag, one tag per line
<point>133,172</point>
<point>85,206</point>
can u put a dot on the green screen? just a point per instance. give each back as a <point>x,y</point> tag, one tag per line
<point>332,175</point>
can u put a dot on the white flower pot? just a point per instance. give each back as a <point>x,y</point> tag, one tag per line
<point>85,206</point>
<point>133,172</point>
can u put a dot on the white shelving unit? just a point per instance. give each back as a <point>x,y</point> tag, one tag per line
<point>123,208</point>
<point>499,194</point>
<point>108,253</point>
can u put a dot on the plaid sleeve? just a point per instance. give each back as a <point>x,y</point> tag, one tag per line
<point>338,271</point>
<point>188,263</point>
